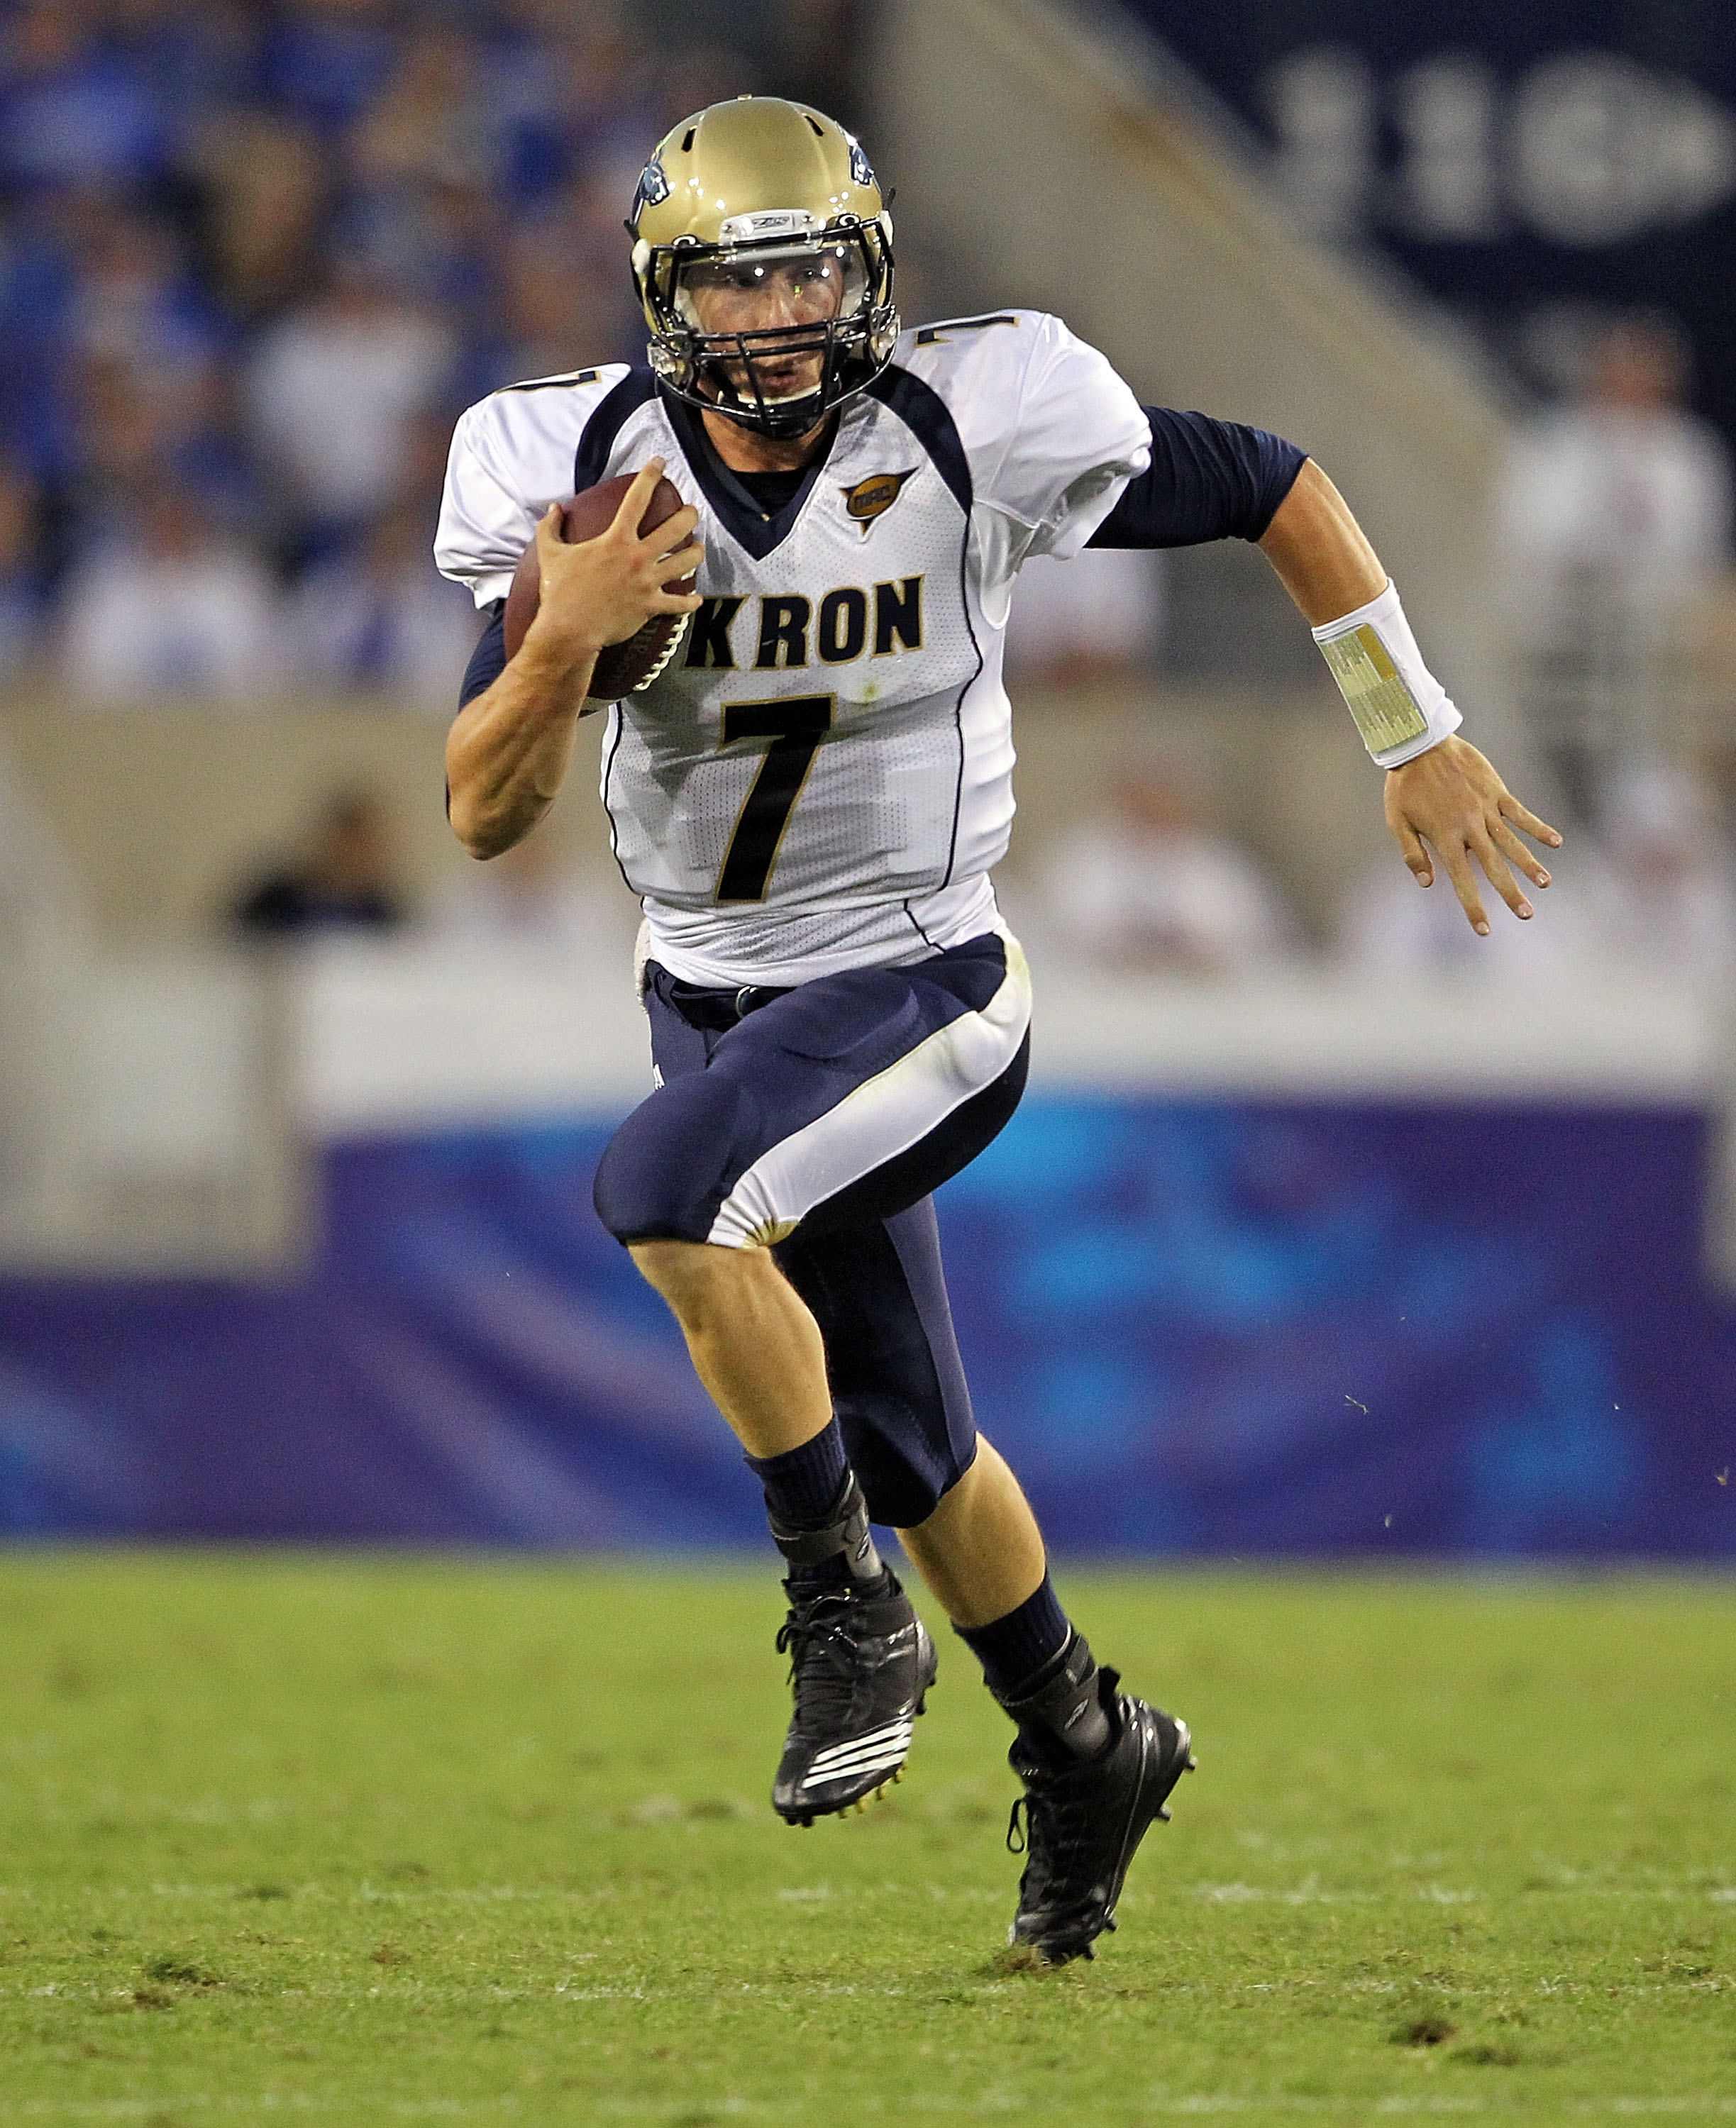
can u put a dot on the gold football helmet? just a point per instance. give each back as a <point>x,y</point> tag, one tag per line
<point>763,254</point>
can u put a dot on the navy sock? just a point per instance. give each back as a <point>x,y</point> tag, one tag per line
<point>802,1488</point>
<point>1012,1650</point>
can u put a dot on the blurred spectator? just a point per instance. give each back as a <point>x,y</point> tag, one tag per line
<point>347,880</point>
<point>384,619</point>
<point>578,94</point>
<point>531,896</point>
<point>1097,617</point>
<point>612,325</point>
<point>1391,927</point>
<point>326,60</point>
<point>1673,897</point>
<point>135,302</point>
<point>1147,885</point>
<point>125,436</point>
<point>544,318</point>
<point>1613,515</point>
<point>434,246</point>
<point>72,113</point>
<point>145,375</point>
<point>267,191</point>
<point>425,164</point>
<point>21,574</point>
<point>190,55</point>
<point>1625,488</point>
<point>1652,886</point>
<point>433,119</point>
<point>166,606</point>
<point>332,391</point>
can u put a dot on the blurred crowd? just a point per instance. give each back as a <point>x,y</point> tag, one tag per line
<point>1611,547</point>
<point>254,258</point>
<point>1151,882</point>
<point>256,254</point>
<point>1612,552</point>
<point>342,873</point>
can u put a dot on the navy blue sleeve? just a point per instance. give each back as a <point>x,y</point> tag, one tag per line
<point>1207,480</point>
<point>488,660</point>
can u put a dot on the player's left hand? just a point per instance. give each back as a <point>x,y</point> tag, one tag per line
<point>1451,801</point>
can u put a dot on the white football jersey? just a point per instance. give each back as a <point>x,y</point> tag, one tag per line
<point>821,776</point>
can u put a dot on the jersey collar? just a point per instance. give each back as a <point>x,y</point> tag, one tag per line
<point>761,532</point>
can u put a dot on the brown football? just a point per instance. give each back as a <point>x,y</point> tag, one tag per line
<point>625,666</point>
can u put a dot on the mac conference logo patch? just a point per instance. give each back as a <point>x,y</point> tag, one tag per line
<point>872,497</point>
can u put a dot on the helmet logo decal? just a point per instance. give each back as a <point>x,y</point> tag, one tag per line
<point>653,186</point>
<point>862,170</point>
<point>872,497</point>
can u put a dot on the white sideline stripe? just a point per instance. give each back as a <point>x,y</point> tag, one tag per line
<point>884,1116</point>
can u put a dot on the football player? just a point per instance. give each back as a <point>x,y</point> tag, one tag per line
<point>809,798</point>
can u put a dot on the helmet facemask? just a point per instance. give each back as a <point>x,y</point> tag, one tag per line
<point>826,294</point>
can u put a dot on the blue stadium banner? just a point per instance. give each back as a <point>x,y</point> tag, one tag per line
<point>1197,1329</point>
<point>1523,164</point>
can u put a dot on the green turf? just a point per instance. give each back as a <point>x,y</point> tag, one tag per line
<point>382,1841</point>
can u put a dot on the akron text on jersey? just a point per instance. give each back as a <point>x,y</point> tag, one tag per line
<point>795,631</point>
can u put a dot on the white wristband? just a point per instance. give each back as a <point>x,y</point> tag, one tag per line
<point>1400,709</point>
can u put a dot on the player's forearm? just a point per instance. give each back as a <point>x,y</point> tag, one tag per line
<point>1319,551</point>
<point>508,751</point>
<point>1335,576</point>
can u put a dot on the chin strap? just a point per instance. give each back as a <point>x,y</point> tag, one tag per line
<point>782,419</point>
<point>1064,1698</point>
<point>845,1530</point>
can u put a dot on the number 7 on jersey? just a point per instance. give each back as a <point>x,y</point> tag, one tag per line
<point>795,727</point>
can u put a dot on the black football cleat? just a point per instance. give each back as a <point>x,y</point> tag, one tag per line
<point>861,1663</point>
<point>1083,1819</point>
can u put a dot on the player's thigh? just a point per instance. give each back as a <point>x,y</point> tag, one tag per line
<point>877,1082</point>
<point>917,1172</point>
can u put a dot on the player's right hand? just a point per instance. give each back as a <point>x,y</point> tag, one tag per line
<point>602,591</point>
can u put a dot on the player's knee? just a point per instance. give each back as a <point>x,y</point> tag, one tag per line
<point>700,1280</point>
<point>661,1177</point>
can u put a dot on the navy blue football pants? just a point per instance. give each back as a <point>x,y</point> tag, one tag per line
<point>815,1122</point>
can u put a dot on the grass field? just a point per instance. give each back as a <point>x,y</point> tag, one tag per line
<point>372,1842</point>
